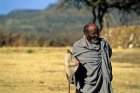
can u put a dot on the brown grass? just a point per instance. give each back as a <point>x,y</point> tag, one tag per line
<point>41,70</point>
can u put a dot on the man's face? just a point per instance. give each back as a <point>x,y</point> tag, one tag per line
<point>92,34</point>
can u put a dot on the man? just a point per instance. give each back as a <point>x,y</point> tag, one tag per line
<point>94,74</point>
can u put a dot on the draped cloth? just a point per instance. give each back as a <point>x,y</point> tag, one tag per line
<point>94,74</point>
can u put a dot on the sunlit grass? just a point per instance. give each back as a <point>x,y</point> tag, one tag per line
<point>41,70</point>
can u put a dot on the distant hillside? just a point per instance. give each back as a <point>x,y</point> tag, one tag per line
<point>46,21</point>
<point>55,26</point>
<point>54,20</point>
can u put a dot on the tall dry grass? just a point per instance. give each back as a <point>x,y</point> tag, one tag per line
<point>123,37</point>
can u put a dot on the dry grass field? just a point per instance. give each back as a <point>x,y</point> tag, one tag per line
<point>41,70</point>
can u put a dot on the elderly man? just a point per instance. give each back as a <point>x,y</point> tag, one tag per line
<point>94,74</point>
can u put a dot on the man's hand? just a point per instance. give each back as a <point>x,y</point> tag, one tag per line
<point>75,63</point>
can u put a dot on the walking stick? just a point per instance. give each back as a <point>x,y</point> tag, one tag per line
<point>68,87</point>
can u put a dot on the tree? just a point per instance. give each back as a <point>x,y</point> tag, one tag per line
<point>101,7</point>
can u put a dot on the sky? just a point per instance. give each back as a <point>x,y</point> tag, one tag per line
<point>7,6</point>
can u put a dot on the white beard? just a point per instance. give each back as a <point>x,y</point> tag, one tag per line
<point>94,41</point>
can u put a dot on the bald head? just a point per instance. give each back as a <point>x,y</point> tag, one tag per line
<point>89,27</point>
<point>91,32</point>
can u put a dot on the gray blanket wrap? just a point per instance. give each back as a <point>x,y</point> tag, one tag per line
<point>94,74</point>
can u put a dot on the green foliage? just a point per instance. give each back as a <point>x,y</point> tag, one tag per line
<point>101,7</point>
<point>30,51</point>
